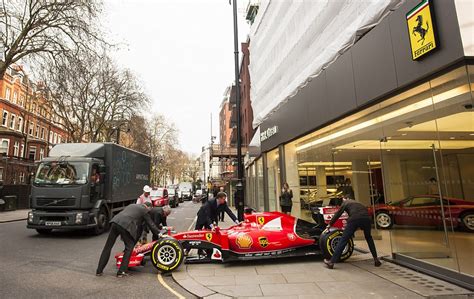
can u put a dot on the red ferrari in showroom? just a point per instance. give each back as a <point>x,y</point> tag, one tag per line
<point>261,236</point>
<point>425,210</point>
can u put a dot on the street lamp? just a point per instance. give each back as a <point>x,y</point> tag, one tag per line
<point>239,194</point>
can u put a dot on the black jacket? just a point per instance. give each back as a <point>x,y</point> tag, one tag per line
<point>131,219</point>
<point>355,209</point>
<point>208,212</point>
<point>158,218</point>
<point>285,198</point>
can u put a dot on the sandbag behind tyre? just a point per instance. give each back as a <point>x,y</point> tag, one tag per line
<point>167,254</point>
<point>328,243</point>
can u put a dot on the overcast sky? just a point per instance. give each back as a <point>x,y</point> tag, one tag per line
<point>182,51</point>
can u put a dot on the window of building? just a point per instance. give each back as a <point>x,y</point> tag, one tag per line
<point>22,101</point>
<point>59,139</point>
<point>50,136</point>
<point>22,150</point>
<point>42,133</point>
<point>32,153</point>
<point>34,108</point>
<point>5,146</point>
<point>37,131</point>
<point>41,154</point>
<point>16,148</point>
<point>31,129</point>
<point>7,94</point>
<point>55,140</point>
<point>5,118</point>
<point>20,124</point>
<point>22,177</point>
<point>12,122</point>
<point>1,174</point>
<point>15,97</point>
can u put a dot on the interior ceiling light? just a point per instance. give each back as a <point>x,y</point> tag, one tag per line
<point>388,116</point>
<point>410,144</point>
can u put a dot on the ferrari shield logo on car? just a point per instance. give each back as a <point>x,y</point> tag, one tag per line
<point>263,241</point>
<point>421,29</point>
<point>261,220</point>
<point>209,237</point>
<point>244,241</point>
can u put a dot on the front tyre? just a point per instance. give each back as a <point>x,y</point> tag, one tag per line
<point>467,222</point>
<point>102,222</point>
<point>383,220</point>
<point>167,254</point>
<point>328,243</point>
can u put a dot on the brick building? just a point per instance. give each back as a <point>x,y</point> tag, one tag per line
<point>28,126</point>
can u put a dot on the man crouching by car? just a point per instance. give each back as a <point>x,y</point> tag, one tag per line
<point>126,224</point>
<point>207,214</point>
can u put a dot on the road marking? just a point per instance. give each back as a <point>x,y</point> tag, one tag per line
<point>192,223</point>
<point>163,283</point>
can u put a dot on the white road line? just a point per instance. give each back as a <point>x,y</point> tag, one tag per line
<point>192,223</point>
<point>163,283</point>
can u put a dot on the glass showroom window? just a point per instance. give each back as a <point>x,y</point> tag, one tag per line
<point>260,185</point>
<point>273,183</point>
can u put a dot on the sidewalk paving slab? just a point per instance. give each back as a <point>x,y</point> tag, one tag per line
<point>17,215</point>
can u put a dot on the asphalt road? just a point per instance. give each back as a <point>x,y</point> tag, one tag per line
<point>63,264</point>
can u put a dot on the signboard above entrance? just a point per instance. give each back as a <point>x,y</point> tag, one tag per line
<point>421,29</point>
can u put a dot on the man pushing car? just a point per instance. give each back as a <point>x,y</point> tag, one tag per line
<point>358,218</point>
<point>127,224</point>
<point>207,214</point>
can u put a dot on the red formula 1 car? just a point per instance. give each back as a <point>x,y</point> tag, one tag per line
<point>260,236</point>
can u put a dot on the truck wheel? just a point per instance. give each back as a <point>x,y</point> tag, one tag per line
<point>102,222</point>
<point>167,254</point>
<point>44,231</point>
<point>328,243</point>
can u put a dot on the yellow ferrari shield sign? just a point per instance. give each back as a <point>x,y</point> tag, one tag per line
<point>209,237</point>
<point>261,220</point>
<point>421,29</point>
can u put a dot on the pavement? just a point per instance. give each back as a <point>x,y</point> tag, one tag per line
<point>308,278</point>
<point>16,215</point>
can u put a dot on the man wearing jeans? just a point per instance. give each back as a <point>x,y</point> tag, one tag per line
<point>358,218</point>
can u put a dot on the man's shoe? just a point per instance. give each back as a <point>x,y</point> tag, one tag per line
<point>377,263</point>
<point>122,274</point>
<point>328,264</point>
<point>99,274</point>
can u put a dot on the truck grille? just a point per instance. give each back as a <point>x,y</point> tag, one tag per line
<point>55,202</point>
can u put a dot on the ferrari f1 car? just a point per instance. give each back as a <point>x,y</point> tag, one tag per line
<point>260,236</point>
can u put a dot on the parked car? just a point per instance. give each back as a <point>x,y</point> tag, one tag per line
<point>159,196</point>
<point>425,210</point>
<point>197,196</point>
<point>173,198</point>
<point>186,189</point>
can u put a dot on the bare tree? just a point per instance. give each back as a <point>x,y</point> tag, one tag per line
<point>46,28</point>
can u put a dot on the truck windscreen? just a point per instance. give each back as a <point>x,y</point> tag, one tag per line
<point>62,173</point>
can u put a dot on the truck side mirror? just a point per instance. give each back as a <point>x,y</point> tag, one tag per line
<point>102,169</point>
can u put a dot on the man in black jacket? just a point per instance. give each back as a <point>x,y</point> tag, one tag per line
<point>126,224</point>
<point>207,214</point>
<point>358,218</point>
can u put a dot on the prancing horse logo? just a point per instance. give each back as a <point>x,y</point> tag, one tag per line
<point>209,237</point>
<point>420,30</point>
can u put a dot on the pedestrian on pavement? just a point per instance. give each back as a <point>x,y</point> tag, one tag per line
<point>222,214</point>
<point>145,197</point>
<point>286,199</point>
<point>207,214</point>
<point>126,224</point>
<point>358,218</point>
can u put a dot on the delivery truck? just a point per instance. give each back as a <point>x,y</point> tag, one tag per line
<point>82,185</point>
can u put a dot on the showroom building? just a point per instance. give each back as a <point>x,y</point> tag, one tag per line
<point>391,119</point>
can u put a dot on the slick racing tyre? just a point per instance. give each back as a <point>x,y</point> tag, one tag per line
<point>167,254</point>
<point>328,243</point>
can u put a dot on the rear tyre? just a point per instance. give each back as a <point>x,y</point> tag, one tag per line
<point>328,243</point>
<point>467,222</point>
<point>167,254</point>
<point>383,220</point>
<point>44,231</point>
<point>102,222</point>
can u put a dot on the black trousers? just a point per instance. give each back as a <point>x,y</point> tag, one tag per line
<point>115,231</point>
<point>221,216</point>
<point>201,225</point>
<point>352,225</point>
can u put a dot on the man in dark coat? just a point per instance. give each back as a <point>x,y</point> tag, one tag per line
<point>207,214</point>
<point>128,225</point>
<point>358,218</point>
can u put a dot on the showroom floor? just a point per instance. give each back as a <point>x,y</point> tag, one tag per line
<point>427,245</point>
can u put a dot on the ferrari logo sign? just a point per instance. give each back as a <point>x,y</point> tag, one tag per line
<point>263,241</point>
<point>209,237</point>
<point>244,241</point>
<point>261,220</point>
<point>421,29</point>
